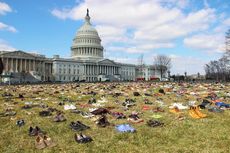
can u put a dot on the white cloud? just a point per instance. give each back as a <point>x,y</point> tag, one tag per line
<point>7,27</point>
<point>4,8</point>
<point>124,60</point>
<point>175,3</point>
<point>152,22</point>
<point>4,46</point>
<point>211,43</point>
<point>213,40</point>
<point>111,34</point>
<point>227,22</point>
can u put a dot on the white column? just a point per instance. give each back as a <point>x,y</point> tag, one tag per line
<point>92,69</point>
<point>12,64</point>
<point>21,66</point>
<point>16,65</point>
<point>89,68</point>
<point>85,69</point>
<point>29,65</point>
<point>106,70</point>
<point>33,65</point>
<point>25,65</point>
<point>7,66</point>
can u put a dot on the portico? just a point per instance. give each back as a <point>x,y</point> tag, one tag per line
<point>21,62</point>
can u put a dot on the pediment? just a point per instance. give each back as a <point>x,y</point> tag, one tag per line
<point>18,54</point>
<point>107,62</point>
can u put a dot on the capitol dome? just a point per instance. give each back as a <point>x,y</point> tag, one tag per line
<point>87,43</point>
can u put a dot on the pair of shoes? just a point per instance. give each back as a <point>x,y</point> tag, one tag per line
<point>180,117</point>
<point>35,131</point>
<point>92,101</point>
<point>194,112</point>
<point>78,126</point>
<point>161,91</point>
<point>20,123</point>
<point>158,109</point>
<point>154,123</point>
<point>43,141</point>
<point>205,104</point>
<point>134,118</point>
<point>148,103</point>
<point>45,113</point>
<point>197,110</point>
<point>75,111</point>
<point>100,111</point>
<point>175,110</point>
<point>27,106</point>
<point>102,121</point>
<point>118,115</point>
<point>59,118</point>
<point>61,103</point>
<point>146,107</point>
<point>81,138</point>
<point>8,113</point>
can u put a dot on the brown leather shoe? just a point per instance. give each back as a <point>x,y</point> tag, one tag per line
<point>39,142</point>
<point>49,142</point>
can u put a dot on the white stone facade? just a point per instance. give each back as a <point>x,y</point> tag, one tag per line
<point>149,72</point>
<point>128,72</point>
<point>67,70</point>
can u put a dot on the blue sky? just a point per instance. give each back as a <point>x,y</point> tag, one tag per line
<point>191,32</point>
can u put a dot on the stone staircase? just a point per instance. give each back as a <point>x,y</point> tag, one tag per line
<point>113,78</point>
<point>23,77</point>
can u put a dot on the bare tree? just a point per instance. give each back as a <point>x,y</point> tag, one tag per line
<point>220,70</point>
<point>162,63</point>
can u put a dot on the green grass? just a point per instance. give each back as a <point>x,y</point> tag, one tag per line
<point>208,135</point>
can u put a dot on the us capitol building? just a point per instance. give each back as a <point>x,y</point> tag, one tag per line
<point>86,62</point>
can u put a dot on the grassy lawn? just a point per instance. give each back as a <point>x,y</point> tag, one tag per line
<point>206,135</point>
